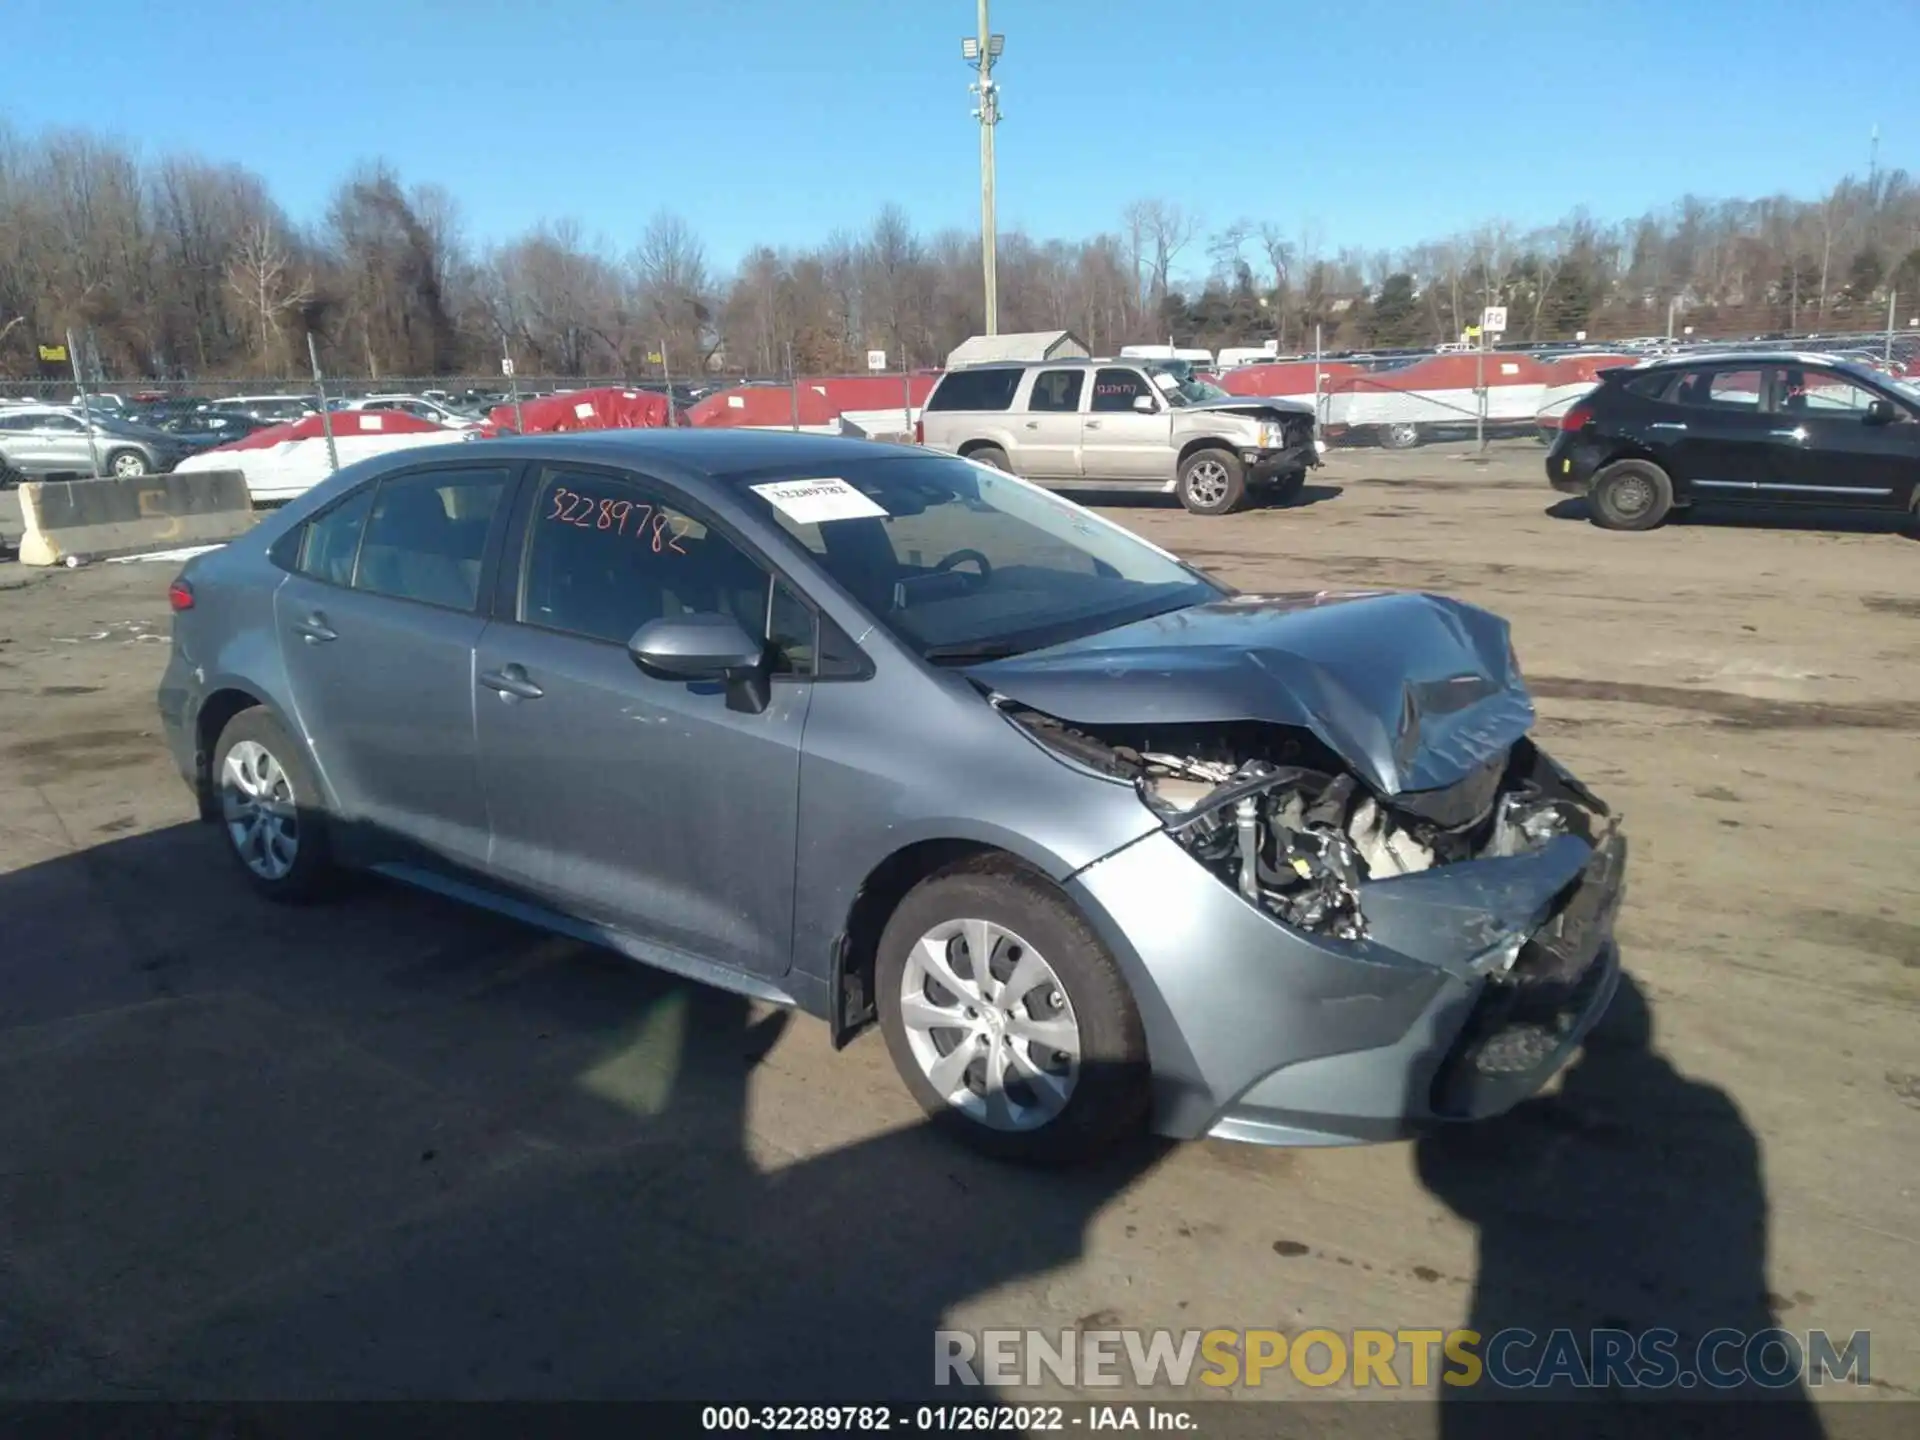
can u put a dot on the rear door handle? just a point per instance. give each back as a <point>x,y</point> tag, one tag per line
<point>1093,424</point>
<point>512,683</point>
<point>315,630</point>
<point>1799,432</point>
<point>1668,425</point>
<point>1033,424</point>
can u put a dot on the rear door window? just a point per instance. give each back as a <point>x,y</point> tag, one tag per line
<point>1729,388</point>
<point>987,389</point>
<point>1057,390</point>
<point>330,541</point>
<point>427,536</point>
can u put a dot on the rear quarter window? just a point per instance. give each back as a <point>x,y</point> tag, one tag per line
<point>976,389</point>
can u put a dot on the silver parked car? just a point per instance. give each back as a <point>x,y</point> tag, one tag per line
<point>54,440</point>
<point>1110,424</point>
<point>894,736</point>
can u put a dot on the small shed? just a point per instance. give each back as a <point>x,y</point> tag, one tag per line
<point>1026,345</point>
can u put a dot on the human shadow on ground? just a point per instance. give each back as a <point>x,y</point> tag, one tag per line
<point>1632,1200</point>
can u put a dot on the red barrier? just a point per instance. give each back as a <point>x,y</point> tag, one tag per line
<point>822,399</point>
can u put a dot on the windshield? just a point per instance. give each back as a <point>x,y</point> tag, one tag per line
<point>962,562</point>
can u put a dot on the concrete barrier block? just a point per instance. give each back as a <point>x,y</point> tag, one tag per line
<point>97,518</point>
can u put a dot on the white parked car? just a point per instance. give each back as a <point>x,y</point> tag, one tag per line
<point>418,406</point>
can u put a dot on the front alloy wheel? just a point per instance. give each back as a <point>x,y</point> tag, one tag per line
<point>989,1023</point>
<point>128,463</point>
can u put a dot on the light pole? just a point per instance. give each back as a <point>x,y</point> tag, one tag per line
<point>982,50</point>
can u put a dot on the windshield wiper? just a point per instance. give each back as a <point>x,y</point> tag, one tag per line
<point>968,652</point>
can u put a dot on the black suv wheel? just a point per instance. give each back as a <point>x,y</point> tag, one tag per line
<point>1630,495</point>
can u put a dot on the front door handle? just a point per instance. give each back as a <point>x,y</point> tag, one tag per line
<point>512,683</point>
<point>1799,432</point>
<point>1093,424</point>
<point>315,630</point>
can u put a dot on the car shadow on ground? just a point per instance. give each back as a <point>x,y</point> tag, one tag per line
<point>1630,1200</point>
<point>396,1147</point>
<point>1767,517</point>
<point>1310,494</point>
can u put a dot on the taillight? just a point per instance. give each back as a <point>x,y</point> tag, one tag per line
<point>1578,418</point>
<point>180,595</point>
<point>920,432</point>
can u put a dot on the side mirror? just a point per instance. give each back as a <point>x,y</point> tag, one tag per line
<point>1881,412</point>
<point>705,647</point>
<point>1144,404</point>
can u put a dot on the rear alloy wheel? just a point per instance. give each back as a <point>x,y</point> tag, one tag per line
<point>269,809</point>
<point>1212,482</point>
<point>1630,495</point>
<point>991,455</point>
<point>1008,1020</point>
<point>126,464</point>
<point>1400,437</point>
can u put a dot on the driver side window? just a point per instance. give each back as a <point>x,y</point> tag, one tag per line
<point>605,554</point>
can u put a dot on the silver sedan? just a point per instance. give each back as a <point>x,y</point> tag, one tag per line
<point>900,739</point>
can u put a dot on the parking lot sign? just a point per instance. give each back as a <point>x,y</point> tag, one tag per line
<point>1494,320</point>
<point>506,366</point>
<point>876,359</point>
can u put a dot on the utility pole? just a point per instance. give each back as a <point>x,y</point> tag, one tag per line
<point>982,50</point>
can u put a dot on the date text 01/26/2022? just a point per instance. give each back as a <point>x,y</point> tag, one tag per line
<point>936,1419</point>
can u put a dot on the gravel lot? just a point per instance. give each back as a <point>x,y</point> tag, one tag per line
<point>391,1147</point>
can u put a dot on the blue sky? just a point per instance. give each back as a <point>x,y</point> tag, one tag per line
<point>1376,122</point>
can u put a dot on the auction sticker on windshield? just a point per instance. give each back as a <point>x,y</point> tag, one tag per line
<point>809,502</point>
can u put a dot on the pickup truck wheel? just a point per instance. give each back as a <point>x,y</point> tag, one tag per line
<point>1400,437</point>
<point>1630,495</point>
<point>1008,1020</point>
<point>991,455</point>
<point>1212,482</point>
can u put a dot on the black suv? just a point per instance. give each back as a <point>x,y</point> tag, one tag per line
<point>1760,428</point>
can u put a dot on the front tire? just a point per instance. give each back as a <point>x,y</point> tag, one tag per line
<point>1212,482</point>
<point>270,813</point>
<point>1630,495</point>
<point>126,464</point>
<point>1400,437</point>
<point>1008,1020</point>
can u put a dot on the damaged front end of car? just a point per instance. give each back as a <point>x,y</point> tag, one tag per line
<point>1505,882</point>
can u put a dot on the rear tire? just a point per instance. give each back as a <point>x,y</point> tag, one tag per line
<point>1212,482</point>
<point>991,455</point>
<point>270,814</point>
<point>126,464</point>
<point>1630,495</point>
<point>1067,1043</point>
<point>1400,437</point>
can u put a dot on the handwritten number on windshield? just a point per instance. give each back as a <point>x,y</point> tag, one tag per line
<point>661,530</point>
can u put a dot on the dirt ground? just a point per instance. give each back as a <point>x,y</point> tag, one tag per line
<point>395,1148</point>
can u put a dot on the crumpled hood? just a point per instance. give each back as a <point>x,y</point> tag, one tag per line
<point>1414,691</point>
<point>1251,404</point>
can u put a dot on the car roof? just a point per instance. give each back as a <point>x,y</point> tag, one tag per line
<point>1748,357</point>
<point>719,454</point>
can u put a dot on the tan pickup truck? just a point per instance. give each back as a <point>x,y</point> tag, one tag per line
<point>1116,424</point>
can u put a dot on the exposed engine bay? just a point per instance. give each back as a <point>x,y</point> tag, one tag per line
<point>1273,813</point>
